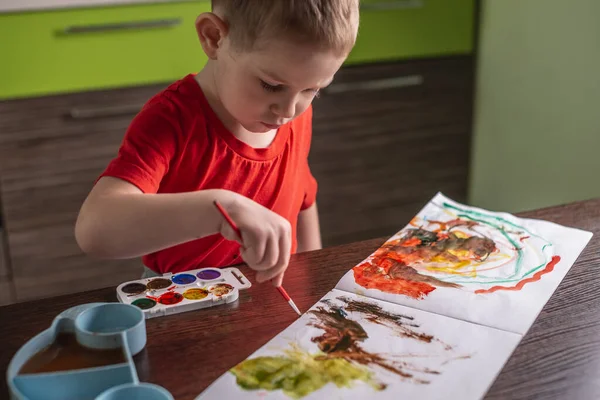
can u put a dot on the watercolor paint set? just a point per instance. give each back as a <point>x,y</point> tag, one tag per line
<point>85,354</point>
<point>184,291</point>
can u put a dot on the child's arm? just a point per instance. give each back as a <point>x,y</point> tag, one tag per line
<point>309,232</point>
<point>117,220</point>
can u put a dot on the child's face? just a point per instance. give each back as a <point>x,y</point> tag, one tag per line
<point>266,88</point>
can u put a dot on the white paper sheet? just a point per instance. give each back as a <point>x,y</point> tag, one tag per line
<point>471,279</point>
<point>459,361</point>
<point>546,253</point>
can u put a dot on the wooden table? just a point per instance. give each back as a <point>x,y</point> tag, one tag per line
<point>559,358</point>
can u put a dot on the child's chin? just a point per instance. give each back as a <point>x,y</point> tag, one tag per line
<point>259,128</point>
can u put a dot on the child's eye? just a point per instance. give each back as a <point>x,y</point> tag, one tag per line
<point>313,92</point>
<point>270,88</point>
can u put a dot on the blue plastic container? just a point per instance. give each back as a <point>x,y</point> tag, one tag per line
<point>96,326</point>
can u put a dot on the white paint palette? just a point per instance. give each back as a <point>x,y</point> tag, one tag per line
<point>183,291</point>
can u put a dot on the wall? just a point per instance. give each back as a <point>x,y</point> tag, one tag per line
<point>537,115</point>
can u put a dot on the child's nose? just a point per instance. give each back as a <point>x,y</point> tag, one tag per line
<point>285,109</point>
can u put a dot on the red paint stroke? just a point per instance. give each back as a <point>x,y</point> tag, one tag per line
<point>523,238</point>
<point>364,277</point>
<point>536,277</point>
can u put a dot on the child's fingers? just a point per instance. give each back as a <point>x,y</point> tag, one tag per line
<point>263,276</point>
<point>285,248</point>
<point>285,252</point>
<point>271,255</point>
<point>254,250</point>
<point>278,280</point>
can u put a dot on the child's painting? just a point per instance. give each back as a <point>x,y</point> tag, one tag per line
<point>352,347</point>
<point>489,268</point>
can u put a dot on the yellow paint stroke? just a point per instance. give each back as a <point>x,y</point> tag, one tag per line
<point>461,234</point>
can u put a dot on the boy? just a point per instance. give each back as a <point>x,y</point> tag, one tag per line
<point>237,132</point>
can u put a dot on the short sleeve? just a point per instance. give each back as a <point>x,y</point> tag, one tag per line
<point>310,183</point>
<point>147,148</point>
<point>310,194</point>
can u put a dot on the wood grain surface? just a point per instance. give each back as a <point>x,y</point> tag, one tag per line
<point>559,358</point>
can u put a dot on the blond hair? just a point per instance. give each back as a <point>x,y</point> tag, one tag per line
<point>332,24</point>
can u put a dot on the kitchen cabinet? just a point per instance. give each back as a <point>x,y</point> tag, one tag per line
<point>386,138</point>
<point>71,50</point>
<point>89,48</point>
<point>14,6</point>
<point>406,29</point>
<point>51,151</point>
<point>6,289</point>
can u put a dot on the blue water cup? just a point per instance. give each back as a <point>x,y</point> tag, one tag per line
<point>132,391</point>
<point>105,326</point>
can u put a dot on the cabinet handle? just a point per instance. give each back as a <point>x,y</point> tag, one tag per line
<point>103,112</point>
<point>376,84</point>
<point>392,5</point>
<point>121,26</point>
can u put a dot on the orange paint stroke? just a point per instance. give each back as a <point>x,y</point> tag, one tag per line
<point>536,277</point>
<point>411,242</point>
<point>365,276</point>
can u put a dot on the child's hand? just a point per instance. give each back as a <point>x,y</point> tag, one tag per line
<point>266,238</point>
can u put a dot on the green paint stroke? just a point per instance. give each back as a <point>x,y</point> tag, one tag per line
<point>494,217</point>
<point>299,373</point>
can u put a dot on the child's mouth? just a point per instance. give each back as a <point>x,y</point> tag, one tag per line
<point>270,126</point>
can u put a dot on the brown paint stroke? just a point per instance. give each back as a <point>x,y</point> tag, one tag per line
<point>342,336</point>
<point>402,271</point>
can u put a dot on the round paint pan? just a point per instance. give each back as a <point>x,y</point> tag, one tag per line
<point>134,288</point>
<point>158,283</point>
<point>136,391</point>
<point>195,294</point>
<point>221,289</point>
<point>170,298</point>
<point>183,279</point>
<point>144,303</point>
<point>208,274</point>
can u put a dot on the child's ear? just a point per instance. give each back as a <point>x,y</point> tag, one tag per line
<point>211,32</point>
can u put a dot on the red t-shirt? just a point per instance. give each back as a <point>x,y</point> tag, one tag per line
<point>178,144</point>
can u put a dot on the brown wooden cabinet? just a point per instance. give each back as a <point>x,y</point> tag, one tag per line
<point>51,151</point>
<point>386,138</point>
<point>6,290</point>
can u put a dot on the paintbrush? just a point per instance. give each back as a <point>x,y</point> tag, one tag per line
<point>239,233</point>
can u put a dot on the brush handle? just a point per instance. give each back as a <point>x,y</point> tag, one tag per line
<point>284,293</point>
<point>239,233</point>
<point>228,219</point>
